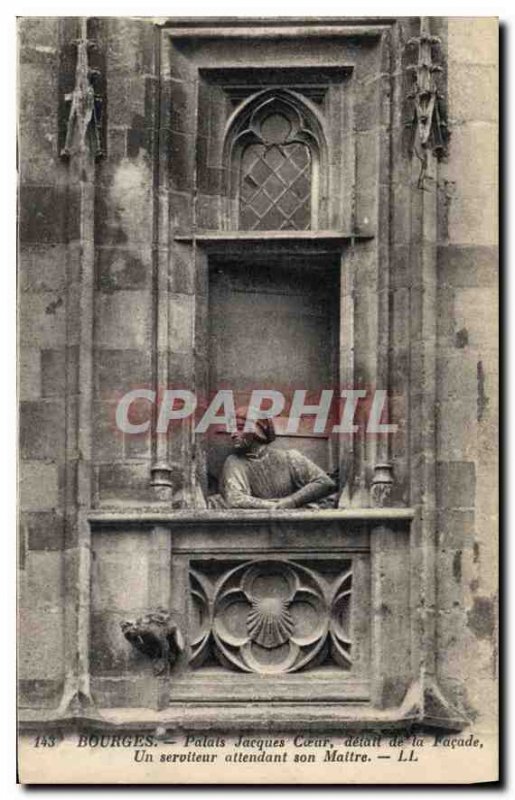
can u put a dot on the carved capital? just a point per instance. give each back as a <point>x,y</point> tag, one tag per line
<point>161,474</point>
<point>382,485</point>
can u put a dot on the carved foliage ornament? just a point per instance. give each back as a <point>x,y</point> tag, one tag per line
<point>272,616</point>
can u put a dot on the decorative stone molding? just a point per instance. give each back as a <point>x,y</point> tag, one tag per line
<point>157,636</point>
<point>273,616</point>
<point>161,473</point>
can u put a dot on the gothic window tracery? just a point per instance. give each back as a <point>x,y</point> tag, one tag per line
<point>275,180</point>
<point>275,166</point>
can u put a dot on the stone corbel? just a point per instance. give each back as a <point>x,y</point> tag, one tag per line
<point>158,637</point>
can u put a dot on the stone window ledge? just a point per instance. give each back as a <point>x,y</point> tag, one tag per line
<point>221,241</point>
<point>194,516</point>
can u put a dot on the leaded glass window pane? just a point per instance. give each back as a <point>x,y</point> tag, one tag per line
<point>275,180</point>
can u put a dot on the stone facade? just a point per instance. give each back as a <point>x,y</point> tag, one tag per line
<point>117,243</point>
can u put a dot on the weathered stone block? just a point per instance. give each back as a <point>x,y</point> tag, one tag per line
<point>473,40</point>
<point>140,137</point>
<point>39,486</point>
<point>42,693</point>
<point>367,158</point>
<point>120,586</point>
<point>122,483</point>
<point>119,371</point>
<point>38,89</point>
<point>38,33</point>
<point>44,530</point>
<point>40,652</point>
<point>131,44</point>
<point>181,155</point>
<point>107,439</point>
<point>134,691</point>
<point>365,106</point>
<point>39,153</point>
<point>475,310</point>
<point>181,370</point>
<point>43,320</point>
<point>53,373</point>
<point>123,268</point>
<point>29,373</point>
<point>473,217</point>
<point>456,529</point>
<point>401,214</point>
<point>457,428</point>
<point>47,268</point>
<point>124,320</point>
<point>181,276</point>
<point>48,214</point>
<point>121,106</point>
<point>41,584</point>
<point>457,376</point>
<point>182,111</point>
<point>473,92</point>
<point>208,211</point>
<point>40,610</point>
<point>117,142</point>
<point>41,429</point>
<point>467,143</point>
<point>456,484</point>
<point>111,653</point>
<point>182,311</point>
<point>366,210</point>
<point>181,211</point>
<point>137,446</point>
<point>124,207</point>
<point>120,578</point>
<point>468,266</point>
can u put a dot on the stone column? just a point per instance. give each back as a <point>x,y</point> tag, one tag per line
<point>81,148</point>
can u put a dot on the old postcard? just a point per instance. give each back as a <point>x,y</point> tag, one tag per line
<point>258,392</point>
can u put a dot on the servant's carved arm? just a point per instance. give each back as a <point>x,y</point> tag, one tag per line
<point>314,483</point>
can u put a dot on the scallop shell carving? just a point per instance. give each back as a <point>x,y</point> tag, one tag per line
<point>269,623</point>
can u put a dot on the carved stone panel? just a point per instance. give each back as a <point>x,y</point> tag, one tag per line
<point>272,616</point>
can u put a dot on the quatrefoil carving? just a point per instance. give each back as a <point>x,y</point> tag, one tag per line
<point>272,616</point>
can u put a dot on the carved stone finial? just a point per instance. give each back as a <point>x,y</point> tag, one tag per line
<point>85,106</point>
<point>382,484</point>
<point>428,122</point>
<point>157,636</point>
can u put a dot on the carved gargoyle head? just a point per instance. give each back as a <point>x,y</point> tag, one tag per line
<point>157,636</point>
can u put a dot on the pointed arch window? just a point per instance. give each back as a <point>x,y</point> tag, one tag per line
<point>275,169</point>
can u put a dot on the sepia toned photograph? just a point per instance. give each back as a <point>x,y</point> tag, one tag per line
<point>258,400</point>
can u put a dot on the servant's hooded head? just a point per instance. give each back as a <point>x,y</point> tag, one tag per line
<point>263,429</point>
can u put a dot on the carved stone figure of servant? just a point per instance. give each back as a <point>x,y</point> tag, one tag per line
<point>260,476</point>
